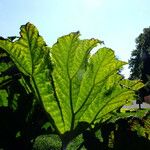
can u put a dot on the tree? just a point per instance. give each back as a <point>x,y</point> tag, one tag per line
<point>140,61</point>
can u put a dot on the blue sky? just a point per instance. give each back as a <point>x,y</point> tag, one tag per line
<point>116,22</point>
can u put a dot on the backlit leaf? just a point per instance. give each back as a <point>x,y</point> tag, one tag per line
<point>87,87</point>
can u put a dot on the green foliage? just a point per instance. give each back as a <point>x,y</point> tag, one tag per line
<point>126,115</point>
<point>77,143</point>
<point>30,55</point>
<point>17,104</point>
<point>87,87</point>
<point>77,89</point>
<point>47,142</point>
<point>3,98</point>
<point>142,125</point>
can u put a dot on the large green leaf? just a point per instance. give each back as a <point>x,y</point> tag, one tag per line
<point>31,56</point>
<point>81,87</point>
<point>87,87</point>
<point>26,52</point>
<point>69,55</point>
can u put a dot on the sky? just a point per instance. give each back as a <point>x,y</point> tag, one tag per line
<point>116,22</point>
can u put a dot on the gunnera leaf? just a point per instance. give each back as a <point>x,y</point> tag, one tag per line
<point>87,87</point>
<point>31,56</point>
<point>74,86</point>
